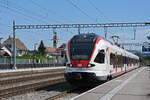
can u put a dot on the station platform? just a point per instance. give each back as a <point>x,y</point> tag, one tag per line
<point>134,85</point>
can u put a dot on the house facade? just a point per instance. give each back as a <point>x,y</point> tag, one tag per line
<point>50,51</point>
<point>21,49</point>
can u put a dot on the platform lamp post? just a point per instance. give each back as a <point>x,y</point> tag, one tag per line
<point>14,46</point>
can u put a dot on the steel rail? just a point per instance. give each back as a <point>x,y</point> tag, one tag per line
<point>29,73</point>
<point>63,94</point>
<point>30,78</point>
<point>28,88</point>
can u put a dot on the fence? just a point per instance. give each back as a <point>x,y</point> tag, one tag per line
<point>6,62</point>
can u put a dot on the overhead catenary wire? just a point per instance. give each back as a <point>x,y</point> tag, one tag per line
<point>5,25</point>
<point>82,11</point>
<point>48,10</point>
<point>5,33</point>
<point>98,10</point>
<point>44,8</point>
<point>28,18</point>
<point>38,15</point>
<point>25,16</point>
<point>26,12</point>
<point>2,31</point>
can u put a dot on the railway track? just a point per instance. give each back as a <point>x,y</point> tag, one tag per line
<point>4,93</point>
<point>60,95</point>
<point>28,73</point>
<point>29,78</point>
<point>16,83</point>
<point>65,95</point>
<point>73,90</point>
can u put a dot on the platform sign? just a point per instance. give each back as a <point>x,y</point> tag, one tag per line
<point>146,50</point>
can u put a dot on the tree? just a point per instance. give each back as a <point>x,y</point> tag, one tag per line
<point>138,53</point>
<point>41,48</point>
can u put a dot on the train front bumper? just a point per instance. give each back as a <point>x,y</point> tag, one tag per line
<point>84,78</point>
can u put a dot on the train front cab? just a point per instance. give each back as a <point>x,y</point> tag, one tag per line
<point>80,51</point>
<point>95,73</point>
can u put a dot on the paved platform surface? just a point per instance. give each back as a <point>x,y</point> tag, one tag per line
<point>134,85</point>
<point>29,69</point>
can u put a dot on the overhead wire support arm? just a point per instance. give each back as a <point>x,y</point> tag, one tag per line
<point>144,24</point>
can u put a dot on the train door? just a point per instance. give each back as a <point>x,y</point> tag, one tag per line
<point>128,63</point>
<point>124,63</point>
<point>116,65</point>
<point>112,62</point>
<point>109,61</point>
<point>121,63</point>
<point>107,56</point>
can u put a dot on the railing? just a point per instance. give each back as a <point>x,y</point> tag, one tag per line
<point>6,62</point>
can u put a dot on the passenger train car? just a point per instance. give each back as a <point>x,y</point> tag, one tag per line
<point>91,58</point>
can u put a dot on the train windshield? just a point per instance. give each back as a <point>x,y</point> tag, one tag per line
<point>81,47</point>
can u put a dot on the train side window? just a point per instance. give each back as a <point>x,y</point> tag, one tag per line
<point>123,60</point>
<point>112,59</point>
<point>130,61</point>
<point>126,60</point>
<point>100,57</point>
<point>134,62</point>
<point>118,60</point>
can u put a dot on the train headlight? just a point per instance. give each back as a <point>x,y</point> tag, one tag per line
<point>69,65</point>
<point>91,65</point>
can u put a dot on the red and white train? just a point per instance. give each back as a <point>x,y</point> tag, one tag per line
<point>93,59</point>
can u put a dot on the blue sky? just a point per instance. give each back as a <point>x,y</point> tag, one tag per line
<point>61,11</point>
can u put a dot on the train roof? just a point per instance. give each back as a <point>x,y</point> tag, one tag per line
<point>122,51</point>
<point>84,38</point>
<point>91,37</point>
<point>86,35</point>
